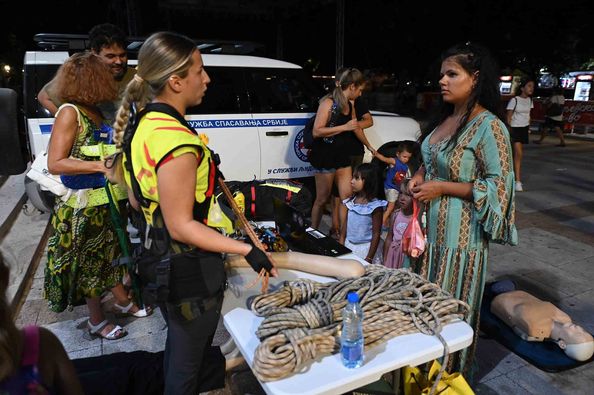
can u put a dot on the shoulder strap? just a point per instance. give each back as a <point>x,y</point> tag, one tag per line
<point>333,113</point>
<point>30,346</point>
<point>133,121</point>
<point>73,106</point>
<point>516,103</point>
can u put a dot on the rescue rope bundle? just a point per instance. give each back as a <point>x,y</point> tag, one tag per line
<point>303,317</point>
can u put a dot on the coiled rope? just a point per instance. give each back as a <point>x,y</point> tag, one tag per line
<point>303,318</point>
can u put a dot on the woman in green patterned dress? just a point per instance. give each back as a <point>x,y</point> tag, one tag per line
<point>84,243</point>
<point>467,181</point>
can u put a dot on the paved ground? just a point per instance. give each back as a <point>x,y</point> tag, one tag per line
<point>554,260</point>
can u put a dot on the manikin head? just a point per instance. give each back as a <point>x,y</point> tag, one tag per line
<point>573,340</point>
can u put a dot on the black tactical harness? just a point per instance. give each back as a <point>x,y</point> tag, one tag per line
<point>191,279</point>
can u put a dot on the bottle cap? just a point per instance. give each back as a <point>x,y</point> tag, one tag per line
<point>352,297</point>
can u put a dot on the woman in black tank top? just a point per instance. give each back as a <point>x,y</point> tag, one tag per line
<point>328,154</point>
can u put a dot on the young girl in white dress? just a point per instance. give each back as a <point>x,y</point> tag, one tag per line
<point>363,227</point>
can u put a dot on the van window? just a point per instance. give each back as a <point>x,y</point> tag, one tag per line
<point>226,93</point>
<point>36,76</point>
<point>282,90</point>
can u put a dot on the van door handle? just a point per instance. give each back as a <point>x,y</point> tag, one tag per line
<point>280,133</point>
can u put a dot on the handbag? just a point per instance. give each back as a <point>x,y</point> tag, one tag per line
<point>417,383</point>
<point>413,238</point>
<point>84,181</point>
<point>47,181</point>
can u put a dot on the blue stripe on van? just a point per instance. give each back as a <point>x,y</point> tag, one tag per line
<point>45,129</point>
<point>227,123</point>
<point>246,123</point>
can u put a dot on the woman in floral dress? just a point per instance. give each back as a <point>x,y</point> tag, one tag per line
<point>467,180</point>
<point>84,243</point>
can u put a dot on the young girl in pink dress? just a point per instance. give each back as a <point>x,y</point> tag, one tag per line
<point>393,255</point>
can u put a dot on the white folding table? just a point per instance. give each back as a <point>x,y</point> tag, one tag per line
<point>327,375</point>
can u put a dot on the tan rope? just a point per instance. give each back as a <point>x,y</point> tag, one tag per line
<point>303,318</point>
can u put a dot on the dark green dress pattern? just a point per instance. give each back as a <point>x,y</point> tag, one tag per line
<point>82,246</point>
<point>459,230</point>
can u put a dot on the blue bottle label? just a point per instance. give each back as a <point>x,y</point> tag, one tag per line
<point>352,353</point>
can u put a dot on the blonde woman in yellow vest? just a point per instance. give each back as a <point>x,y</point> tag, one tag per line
<point>84,243</point>
<point>171,176</point>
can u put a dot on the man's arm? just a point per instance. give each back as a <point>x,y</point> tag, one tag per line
<point>45,99</point>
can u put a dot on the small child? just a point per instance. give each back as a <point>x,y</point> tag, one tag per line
<point>363,227</point>
<point>393,255</point>
<point>397,172</point>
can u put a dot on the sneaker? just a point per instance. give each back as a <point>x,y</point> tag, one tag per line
<point>519,187</point>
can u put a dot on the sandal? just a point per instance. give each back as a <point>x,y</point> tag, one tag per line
<point>95,330</point>
<point>124,311</point>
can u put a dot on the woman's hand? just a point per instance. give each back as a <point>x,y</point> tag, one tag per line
<point>350,125</point>
<point>112,165</point>
<point>259,260</point>
<point>426,191</point>
<point>416,180</point>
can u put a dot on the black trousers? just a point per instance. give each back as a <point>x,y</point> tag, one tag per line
<point>191,364</point>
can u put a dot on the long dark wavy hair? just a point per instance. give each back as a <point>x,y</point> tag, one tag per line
<point>472,58</point>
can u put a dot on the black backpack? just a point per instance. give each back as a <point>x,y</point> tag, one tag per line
<point>308,137</point>
<point>308,132</point>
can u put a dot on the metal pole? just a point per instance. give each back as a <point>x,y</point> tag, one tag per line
<point>339,34</point>
<point>131,11</point>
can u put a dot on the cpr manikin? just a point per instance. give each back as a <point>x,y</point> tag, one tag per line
<point>536,320</point>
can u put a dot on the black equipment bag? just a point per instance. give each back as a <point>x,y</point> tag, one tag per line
<point>259,196</point>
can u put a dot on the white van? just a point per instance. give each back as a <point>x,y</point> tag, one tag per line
<point>253,112</point>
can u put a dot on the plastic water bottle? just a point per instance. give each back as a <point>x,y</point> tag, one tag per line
<point>351,340</point>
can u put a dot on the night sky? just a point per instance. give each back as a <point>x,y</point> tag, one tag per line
<point>402,37</point>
